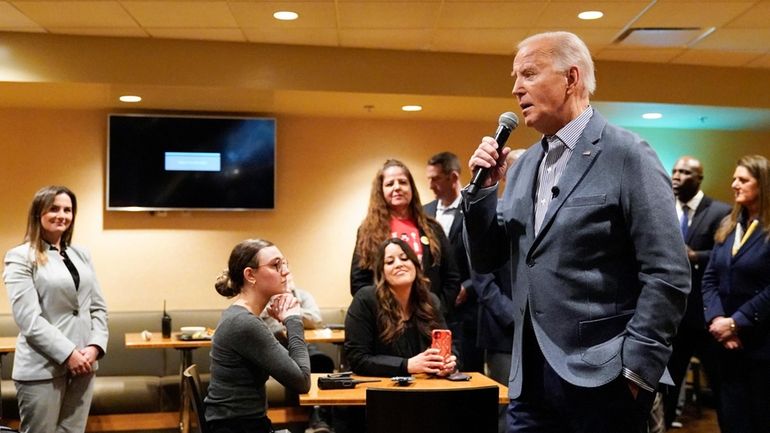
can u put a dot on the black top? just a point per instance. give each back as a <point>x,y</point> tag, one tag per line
<point>367,354</point>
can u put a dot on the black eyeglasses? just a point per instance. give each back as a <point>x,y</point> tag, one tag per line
<point>277,264</point>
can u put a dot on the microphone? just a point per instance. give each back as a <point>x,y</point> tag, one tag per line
<point>506,123</point>
<point>555,192</point>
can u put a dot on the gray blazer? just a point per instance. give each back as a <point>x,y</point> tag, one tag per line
<point>52,316</point>
<point>607,277</point>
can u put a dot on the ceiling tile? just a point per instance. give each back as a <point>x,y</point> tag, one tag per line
<point>76,13</point>
<point>616,14</point>
<point>595,38</point>
<point>122,32</point>
<point>715,58</point>
<point>233,35</point>
<point>183,14</point>
<point>390,15</point>
<point>397,39</point>
<point>318,37</point>
<point>487,15</point>
<point>478,41</point>
<point>260,15</point>
<point>12,19</point>
<point>695,14</point>
<point>754,17</point>
<point>653,55</point>
<point>737,39</point>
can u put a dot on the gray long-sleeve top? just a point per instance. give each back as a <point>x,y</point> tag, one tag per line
<point>243,354</point>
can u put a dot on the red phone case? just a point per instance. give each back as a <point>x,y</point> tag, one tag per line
<point>442,340</point>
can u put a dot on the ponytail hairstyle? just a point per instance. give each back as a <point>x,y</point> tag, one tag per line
<point>244,255</point>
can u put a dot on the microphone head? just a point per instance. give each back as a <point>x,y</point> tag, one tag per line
<point>509,120</point>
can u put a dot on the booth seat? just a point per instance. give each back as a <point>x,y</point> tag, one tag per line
<point>131,384</point>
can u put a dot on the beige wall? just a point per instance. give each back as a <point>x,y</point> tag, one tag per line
<point>325,167</point>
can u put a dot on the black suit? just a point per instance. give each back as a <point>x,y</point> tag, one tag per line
<point>464,321</point>
<point>693,337</point>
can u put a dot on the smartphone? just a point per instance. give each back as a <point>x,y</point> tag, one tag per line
<point>442,340</point>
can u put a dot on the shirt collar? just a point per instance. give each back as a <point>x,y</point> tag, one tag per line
<point>693,203</point>
<point>455,204</point>
<point>570,133</point>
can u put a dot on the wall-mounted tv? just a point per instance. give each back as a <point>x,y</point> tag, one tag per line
<point>167,162</point>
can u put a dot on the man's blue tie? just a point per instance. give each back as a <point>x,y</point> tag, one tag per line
<point>685,222</point>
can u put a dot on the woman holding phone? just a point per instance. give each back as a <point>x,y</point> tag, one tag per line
<point>388,326</point>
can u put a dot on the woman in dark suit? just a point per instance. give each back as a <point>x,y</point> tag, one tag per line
<point>736,297</point>
<point>395,210</point>
<point>62,317</point>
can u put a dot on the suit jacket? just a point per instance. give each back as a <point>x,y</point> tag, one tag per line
<point>457,243</point>
<point>52,316</point>
<point>700,238</point>
<point>443,276</point>
<point>606,278</point>
<point>739,287</point>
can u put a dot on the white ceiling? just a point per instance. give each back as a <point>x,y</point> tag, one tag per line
<point>722,33</point>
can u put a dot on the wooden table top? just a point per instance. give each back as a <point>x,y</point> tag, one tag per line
<point>134,340</point>
<point>7,344</point>
<point>357,396</point>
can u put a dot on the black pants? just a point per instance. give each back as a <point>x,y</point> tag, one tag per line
<point>241,425</point>
<point>745,389</point>
<point>549,404</point>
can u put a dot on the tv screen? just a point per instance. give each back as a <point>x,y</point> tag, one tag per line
<point>160,162</point>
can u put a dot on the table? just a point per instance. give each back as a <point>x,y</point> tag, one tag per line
<point>134,340</point>
<point>357,395</point>
<point>7,345</point>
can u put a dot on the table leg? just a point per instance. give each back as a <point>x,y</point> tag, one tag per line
<point>2,355</point>
<point>185,361</point>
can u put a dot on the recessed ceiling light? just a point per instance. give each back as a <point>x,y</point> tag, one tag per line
<point>590,15</point>
<point>652,116</point>
<point>286,15</point>
<point>412,108</point>
<point>130,98</point>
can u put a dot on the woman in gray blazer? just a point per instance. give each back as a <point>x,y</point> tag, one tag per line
<point>62,317</point>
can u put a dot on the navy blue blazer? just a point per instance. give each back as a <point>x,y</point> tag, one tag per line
<point>606,279</point>
<point>739,287</point>
<point>496,317</point>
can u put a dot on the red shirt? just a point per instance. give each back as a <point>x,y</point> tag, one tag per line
<point>406,230</point>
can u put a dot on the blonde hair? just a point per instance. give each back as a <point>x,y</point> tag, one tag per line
<point>759,168</point>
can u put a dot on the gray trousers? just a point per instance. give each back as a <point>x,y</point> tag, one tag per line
<point>58,405</point>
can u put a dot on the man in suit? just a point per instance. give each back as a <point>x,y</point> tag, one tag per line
<point>599,270</point>
<point>443,173</point>
<point>699,218</point>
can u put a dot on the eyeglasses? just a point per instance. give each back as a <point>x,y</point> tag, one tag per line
<point>277,264</point>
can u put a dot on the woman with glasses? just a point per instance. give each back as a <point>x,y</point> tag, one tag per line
<point>62,317</point>
<point>395,211</point>
<point>244,352</point>
<point>736,298</point>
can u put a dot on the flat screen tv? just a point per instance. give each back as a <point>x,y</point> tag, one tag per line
<point>167,162</point>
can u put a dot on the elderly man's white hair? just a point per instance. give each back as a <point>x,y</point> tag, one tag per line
<point>567,50</point>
